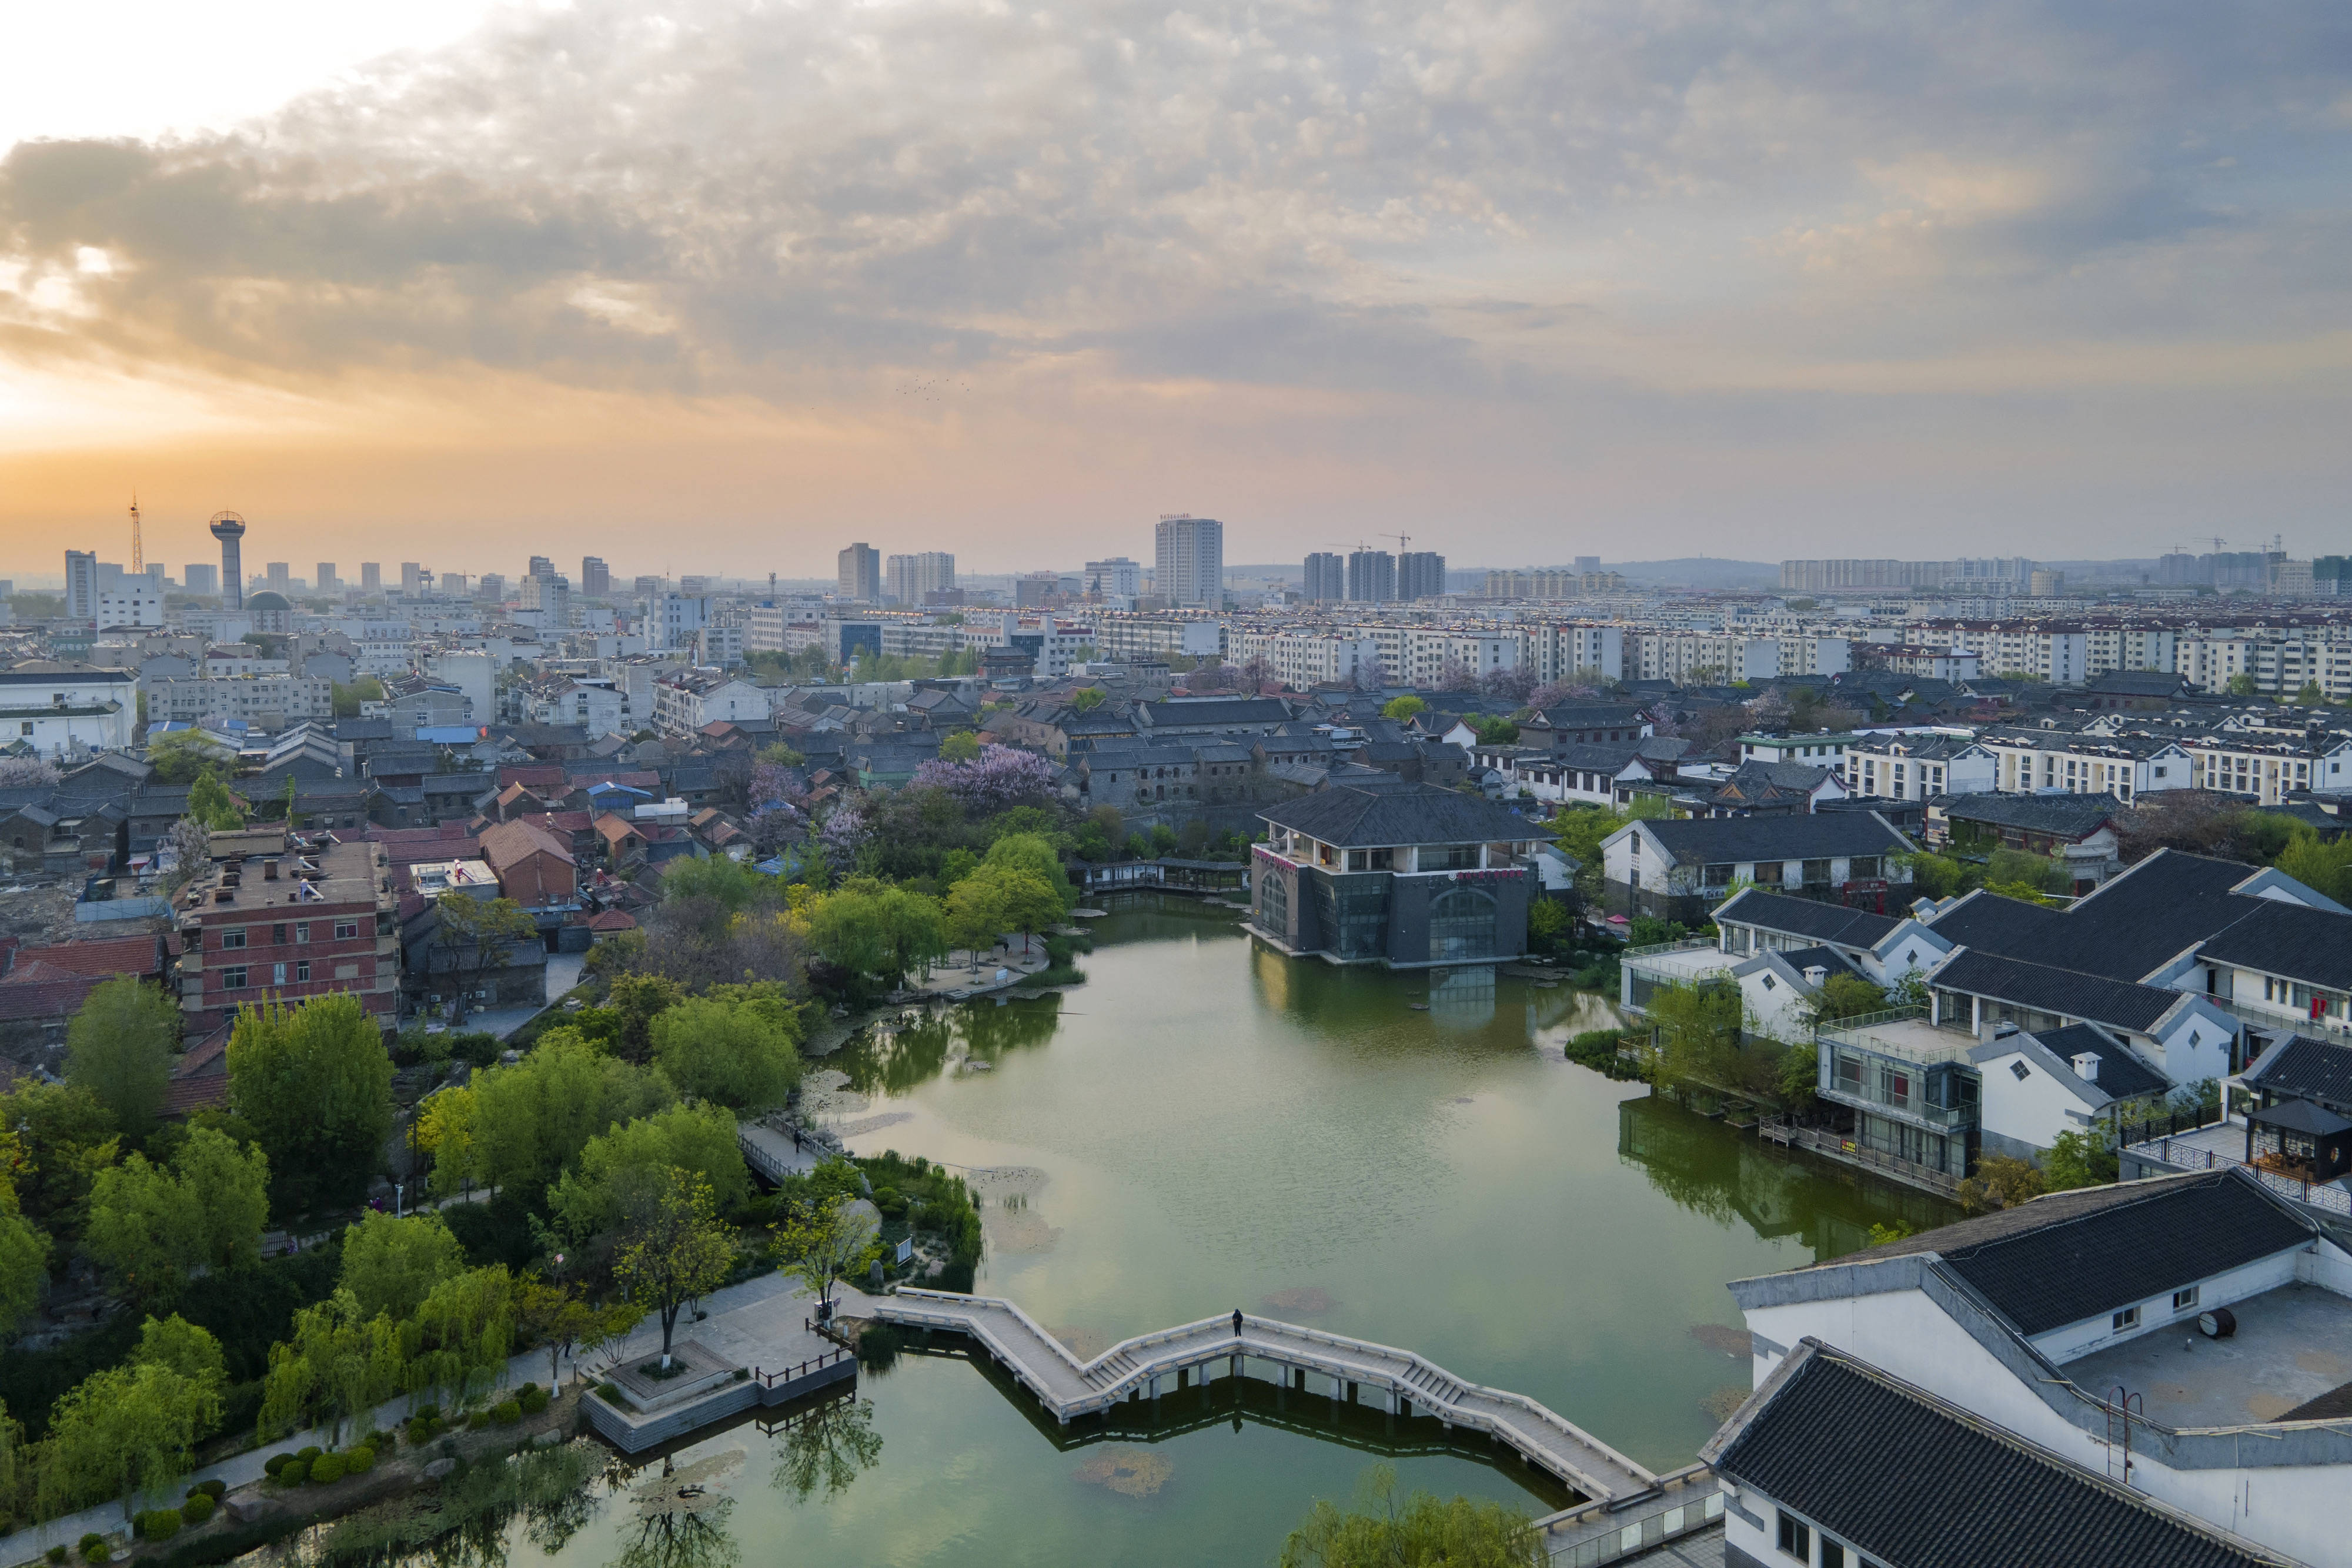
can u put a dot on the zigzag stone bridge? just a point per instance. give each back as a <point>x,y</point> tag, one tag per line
<point>1355,1371</point>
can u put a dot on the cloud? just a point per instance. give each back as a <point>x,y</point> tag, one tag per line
<point>1589,209</point>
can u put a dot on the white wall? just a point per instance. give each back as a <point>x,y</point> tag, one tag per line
<point>2034,1110</point>
<point>2075,1341</point>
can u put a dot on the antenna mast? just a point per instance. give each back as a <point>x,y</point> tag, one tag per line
<point>138,560</point>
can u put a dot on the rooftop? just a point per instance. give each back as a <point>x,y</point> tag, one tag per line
<point>2293,1343</point>
<point>1908,1037</point>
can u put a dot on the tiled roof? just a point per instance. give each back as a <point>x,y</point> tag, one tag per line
<point>104,957</point>
<point>1807,917</point>
<point>1901,1477</point>
<point>2068,816</point>
<point>1389,812</point>
<point>1708,840</point>
<point>2122,1074</point>
<point>2313,946</point>
<point>2122,1004</point>
<point>2305,1068</point>
<point>2131,927</point>
<point>2071,1255</point>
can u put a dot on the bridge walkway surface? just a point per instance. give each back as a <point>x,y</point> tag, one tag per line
<point>1357,1371</point>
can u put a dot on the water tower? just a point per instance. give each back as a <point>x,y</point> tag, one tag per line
<point>229,528</point>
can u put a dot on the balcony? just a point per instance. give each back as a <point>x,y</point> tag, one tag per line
<point>1883,1062</point>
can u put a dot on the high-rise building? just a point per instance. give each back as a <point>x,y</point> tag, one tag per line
<point>1191,560</point>
<point>1371,577</point>
<point>682,617</point>
<point>371,577</point>
<point>912,579</point>
<point>861,574</point>
<point>1327,577</point>
<point>539,567</point>
<point>595,577</point>
<point>1117,578</point>
<point>550,593</point>
<point>1588,563</point>
<point>327,581</point>
<point>411,578</point>
<point>700,587</point>
<point>1031,590</point>
<point>651,589</point>
<point>229,528</point>
<point>1421,574</point>
<point>201,577</point>
<point>453,584</point>
<point>281,581</point>
<point>156,578</point>
<point>81,584</point>
<point>491,588</point>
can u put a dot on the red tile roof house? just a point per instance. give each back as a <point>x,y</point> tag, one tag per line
<point>535,867</point>
<point>44,986</point>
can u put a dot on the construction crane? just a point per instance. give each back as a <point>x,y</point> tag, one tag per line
<point>138,559</point>
<point>1402,539</point>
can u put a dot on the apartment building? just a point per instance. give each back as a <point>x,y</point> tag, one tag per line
<point>266,702</point>
<point>1305,659</point>
<point>685,701</point>
<point>295,919</point>
<point>1189,560</point>
<point>2266,772</point>
<point>2125,767</point>
<point>63,709</point>
<point>2279,664</point>
<point>1122,638</point>
<point>1916,767</point>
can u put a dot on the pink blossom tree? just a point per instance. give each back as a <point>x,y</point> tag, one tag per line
<point>999,778</point>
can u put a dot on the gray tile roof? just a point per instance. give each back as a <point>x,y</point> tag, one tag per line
<point>1715,840</point>
<point>2068,816</point>
<point>1903,1478</point>
<point>2129,927</point>
<point>2119,1003</point>
<point>2122,1075</point>
<point>2305,1068</point>
<point>1806,918</point>
<point>1366,813</point>
<point>2313,946</point>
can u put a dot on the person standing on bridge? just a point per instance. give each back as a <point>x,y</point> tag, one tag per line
<point>1237,1322</point>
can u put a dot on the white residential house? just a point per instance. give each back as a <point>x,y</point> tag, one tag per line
<point>1914,767</point>
<point>64,709</point>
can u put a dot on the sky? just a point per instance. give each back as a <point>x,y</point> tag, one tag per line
<point>723,285</point>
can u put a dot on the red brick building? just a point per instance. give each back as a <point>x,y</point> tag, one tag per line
<point>316,917</point>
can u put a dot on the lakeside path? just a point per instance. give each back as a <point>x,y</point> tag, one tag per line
<point>751,1323</point>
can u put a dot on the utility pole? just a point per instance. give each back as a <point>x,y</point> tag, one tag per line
<point>138,559</point>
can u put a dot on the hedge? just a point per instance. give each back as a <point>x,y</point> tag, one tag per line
<point>198,1508</point>
<point>359,1461</point>
<point>327,1468</point>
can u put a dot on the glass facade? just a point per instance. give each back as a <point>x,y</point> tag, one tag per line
<point>1273,903</point>
<point>1462,924</point>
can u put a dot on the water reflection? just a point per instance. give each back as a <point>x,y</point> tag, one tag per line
<point>1464,997</point>
<point>830,1444</point>
<point>467,1521</point>
<point>1775,1192</point>
<point>912,1048</point>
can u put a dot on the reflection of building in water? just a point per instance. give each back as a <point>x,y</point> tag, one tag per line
<point>1463,997</point>
<point>1711,1169</point>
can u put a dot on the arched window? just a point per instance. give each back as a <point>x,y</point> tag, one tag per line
<point>1273,903</point>
<point>1462,924</point>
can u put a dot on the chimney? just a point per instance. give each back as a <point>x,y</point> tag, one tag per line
<point>269,870</point>
<point>2086,1066</point>
<point>1816,974</point>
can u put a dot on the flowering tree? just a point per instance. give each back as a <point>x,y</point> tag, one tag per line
<point>841,834</point>
<point>1456,676</point>
<point>1512,684</point>
<point>999,778</point>
<point>774,783</point>
<point>1664,719</point>
<point>17,772</point>
<point>775,826</point>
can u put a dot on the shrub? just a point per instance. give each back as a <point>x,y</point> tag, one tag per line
<point>275,1463</point>
<point>478,1420</point>
<point>533,1398</point>
<point>215,1489</point>
<point>294,1473</point>
<point>198,1508</point>
<point>327,1468</point>
<point>306,1455</point>
<point>93,1547</point>
<point>506,1412</point>
<point>609,1391</point>
<point>360,1460</point>
<point>56,1554</point>
<point>160,1524</point>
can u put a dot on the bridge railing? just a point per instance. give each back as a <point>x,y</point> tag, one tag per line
<point>1589,1535</point>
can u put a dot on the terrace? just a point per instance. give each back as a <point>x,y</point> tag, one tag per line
<point>2293,1343</point>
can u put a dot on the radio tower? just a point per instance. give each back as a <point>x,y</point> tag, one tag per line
<point>138,562</point>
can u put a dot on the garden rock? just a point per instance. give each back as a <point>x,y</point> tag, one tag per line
<point>547,1440</point>
<point>439,1467</point>
<point>245,1510</point>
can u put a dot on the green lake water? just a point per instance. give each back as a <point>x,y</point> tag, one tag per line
<point>1208,1125</point>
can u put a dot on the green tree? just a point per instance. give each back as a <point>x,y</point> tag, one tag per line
<point>672,1247</point>
<point>129,1429</point>
<point>1425,1532</point>
<point>2308,694</point>
<point>825,1241</point>
<point>1026,902</point>
<point>463,1334</point>
<point>1799,1077</point>
<point>736,1053</point>
<point>391,1265</point>
<point>150,1227</point>
<point>700,1140</point>
<point>24,1274</point>
<point>2001,1182</point>
<point>348,698</point>
<point>555,1315</point>
<point>638,998</point>
<point>2043,874</point>
<point>964,746</point>
<point>120,1046</point>
<point>1034,853</point>
<point>1695,1033</point>
<point>975,915</point>
<point>528,1120</point>
<point>2323,866</point>
<point>2082,1157</point>
<point>314,1082</point>
<point>1844,996</point>
<point>183,756</point>
<point>210,803</point>
<point>337,1365</point>
<point>2243,686</point>
<point>62,1137</point>
<point>1402,708</point>
<point>478,934</point>
<point>1088,698</point>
